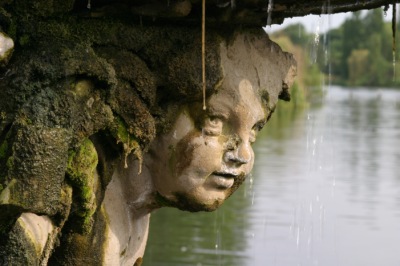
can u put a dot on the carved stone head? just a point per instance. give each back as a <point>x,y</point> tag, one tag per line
<point>207,154</point>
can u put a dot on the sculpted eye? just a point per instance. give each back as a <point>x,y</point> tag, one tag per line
<point>254,131</point>
<point>213,126</point>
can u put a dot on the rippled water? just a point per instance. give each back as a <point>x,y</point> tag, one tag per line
<point>325,191</point>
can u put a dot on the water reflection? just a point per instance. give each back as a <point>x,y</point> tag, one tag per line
<point>325,191</point>
<point>182,238</point>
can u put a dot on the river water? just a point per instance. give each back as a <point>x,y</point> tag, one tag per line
<point>325,190</point>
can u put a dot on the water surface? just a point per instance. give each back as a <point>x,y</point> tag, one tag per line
<point>325,190</point>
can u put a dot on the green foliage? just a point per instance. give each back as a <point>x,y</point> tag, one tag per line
<point>358,66</point>
<point>297,34</point>
<point>295,39</point>
<point>358,53</point>
<point>361,51</point>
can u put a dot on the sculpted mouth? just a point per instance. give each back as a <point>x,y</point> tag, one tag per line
<point>223,180</point>
<point>225,175</point>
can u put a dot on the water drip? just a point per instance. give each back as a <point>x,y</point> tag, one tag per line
<point>314,52</point>
<point>269,11</point>
<point>385,9</point>
<point>299,27</point>
<point>89,6</point>
<point>203,51</point>
<point>326,37</point>
<point>394,41</point>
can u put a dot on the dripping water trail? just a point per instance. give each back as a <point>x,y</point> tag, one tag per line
<point>269,11</point>
<point>327,47</point>
<point>394,21</point>
<point>203,51</point>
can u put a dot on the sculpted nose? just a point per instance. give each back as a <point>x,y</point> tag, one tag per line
<point>242,154</point>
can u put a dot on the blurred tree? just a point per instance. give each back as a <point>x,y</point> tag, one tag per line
<point>358,67</point>
<point>353,32</point>
<point>358,53</point>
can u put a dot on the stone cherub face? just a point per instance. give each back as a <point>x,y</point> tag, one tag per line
<point>207,154</point>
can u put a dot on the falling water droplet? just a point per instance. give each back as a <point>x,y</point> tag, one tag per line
<point>299,31</point>
<point>394,26</point>
<point>89,6</point>
<point>394,66</point>
<point>269,11</point>
<point>298,237</point>
<point>315,43</point>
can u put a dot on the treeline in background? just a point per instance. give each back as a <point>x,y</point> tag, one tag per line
<point>358,53</point>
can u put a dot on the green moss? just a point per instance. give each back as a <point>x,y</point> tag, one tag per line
<point>10,162</point>
<point>120,131</point>
<point>81,172</point>
<point>129,142</point>
<point>24,40</point>
<point>3,149</point>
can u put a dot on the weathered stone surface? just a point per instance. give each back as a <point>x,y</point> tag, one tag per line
<point>35,170</point>
<point>29,242</point>
<point>85,92</point>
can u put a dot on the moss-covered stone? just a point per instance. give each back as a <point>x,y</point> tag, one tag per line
<point>81,170</point>
<point>77,249</point>
<point>34,168</point>
<point>3,149</point>
<point>18,248</point>
<point>26,242</point>
<point>129,142</point>
<point>44,7</point>
<point>79,76</point>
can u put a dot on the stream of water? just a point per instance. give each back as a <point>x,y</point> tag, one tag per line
<point>325,190</point>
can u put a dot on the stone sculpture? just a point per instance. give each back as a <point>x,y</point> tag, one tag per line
<point>101,118</point>
<point>101,122</point>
